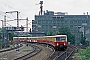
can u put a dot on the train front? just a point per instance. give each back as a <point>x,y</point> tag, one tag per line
<point>61,42</point>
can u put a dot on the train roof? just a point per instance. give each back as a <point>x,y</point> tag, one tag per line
<point>44,36</point>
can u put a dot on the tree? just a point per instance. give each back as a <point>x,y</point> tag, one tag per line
<point>66,31</point>
<point>50,33</point>
<point>11,35</point>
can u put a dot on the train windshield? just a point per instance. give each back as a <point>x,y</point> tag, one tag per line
<point>57,39</point>
<point>62,39</point>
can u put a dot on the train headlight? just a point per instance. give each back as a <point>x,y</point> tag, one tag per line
<point>64,44</point>
<point>36,41</point>
<point>57,44</point>
<point>30,40</point>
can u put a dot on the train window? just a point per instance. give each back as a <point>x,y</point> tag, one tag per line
<point>57,39</point>
<point>63,39</point>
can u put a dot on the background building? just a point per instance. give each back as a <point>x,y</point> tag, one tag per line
<point>52,21</point>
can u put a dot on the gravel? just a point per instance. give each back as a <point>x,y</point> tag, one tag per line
<point>11,55</point>
<point>43,55</point>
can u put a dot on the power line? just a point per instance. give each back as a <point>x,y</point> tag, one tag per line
<point>2,12</point>
<point>6,5</point>
<point>1,15</point>
<point>10,25</point>
<point>5,14</point>
<point>12,8</point>
<point>8,16</point>
<point>28,23</point>
<point>13,15</point>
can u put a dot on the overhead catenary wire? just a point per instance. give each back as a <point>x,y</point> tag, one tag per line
<point>6,5</point>
<point>10,17</point>
<point>10,25</point>
<point>12,8</point>
<point>28,23</point>
<point>5,14</point>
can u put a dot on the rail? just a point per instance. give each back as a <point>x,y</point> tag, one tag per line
<point>65,55</point>
<point>9,49</point>
<point>34,52</point>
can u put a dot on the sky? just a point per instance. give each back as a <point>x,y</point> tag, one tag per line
<point>29,8</point>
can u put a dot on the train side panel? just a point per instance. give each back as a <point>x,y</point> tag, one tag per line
<point>56,41</point>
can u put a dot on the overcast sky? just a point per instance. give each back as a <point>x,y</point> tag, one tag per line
<point>28,8</point>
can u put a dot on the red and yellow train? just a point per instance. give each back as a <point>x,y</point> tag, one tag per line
<point>57,41</point>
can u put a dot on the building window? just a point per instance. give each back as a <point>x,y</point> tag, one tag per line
<point>71,26</point>
<point>87,21</point>
<point>71,21</point>
<point>39,22</point>
<point>75,21</point>
<point>79,22</point>
<point>83,21</point>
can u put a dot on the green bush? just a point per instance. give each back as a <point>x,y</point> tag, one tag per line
<point>84,54</point>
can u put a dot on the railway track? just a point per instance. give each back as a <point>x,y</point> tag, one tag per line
<point>63,55</point>
<point>13,54</point>
<point>34,52</point>
<point>44,53</point>
<point>5,50</point>
<point>38,50</point>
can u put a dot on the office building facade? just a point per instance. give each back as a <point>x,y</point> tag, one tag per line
<point>51,21</point>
